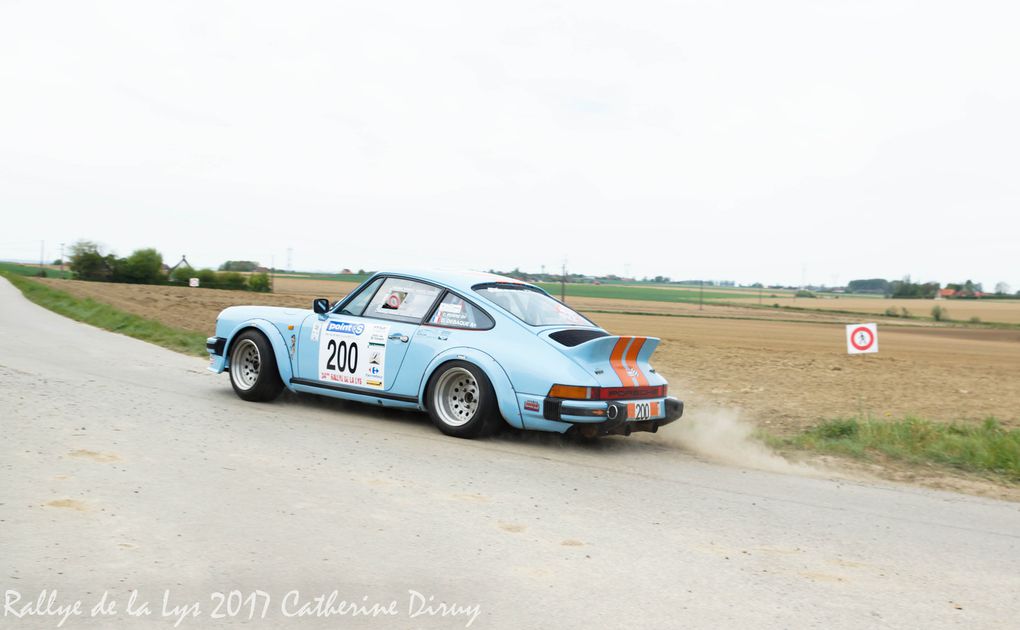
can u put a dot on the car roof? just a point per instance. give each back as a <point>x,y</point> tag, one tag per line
<point>458,280</point>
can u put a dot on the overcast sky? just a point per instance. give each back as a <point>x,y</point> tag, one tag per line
<point>752,141</point>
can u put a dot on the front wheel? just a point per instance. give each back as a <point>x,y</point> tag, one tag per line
<point>461,401</point>
<point>253,371</point>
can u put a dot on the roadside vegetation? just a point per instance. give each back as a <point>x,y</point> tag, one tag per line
<point>88,261</point>
<point>987,448</point>
<point>108,318</point>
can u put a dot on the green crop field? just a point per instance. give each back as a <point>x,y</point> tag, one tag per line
<point>340,277</point>
<point>652,294</point>
<point>32,270</point>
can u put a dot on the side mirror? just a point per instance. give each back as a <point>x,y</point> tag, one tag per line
<point>320,305</point>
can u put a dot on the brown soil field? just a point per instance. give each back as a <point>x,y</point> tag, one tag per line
<point>733,311</point>
<point>784,375</point>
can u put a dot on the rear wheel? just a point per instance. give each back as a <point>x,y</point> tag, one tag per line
<point>253,371</point>
<point>461,401</point>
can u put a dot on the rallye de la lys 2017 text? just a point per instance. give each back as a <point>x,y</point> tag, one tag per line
<point>474,350</point>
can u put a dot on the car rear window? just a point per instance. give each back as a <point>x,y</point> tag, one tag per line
<point>531,305</point>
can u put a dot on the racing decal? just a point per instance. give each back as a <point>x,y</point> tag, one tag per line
<point>630,361</point>
<point>316,328</point>
<point>353,354</point>
<point>531,405</point>
<point>644,410</point>
<point>454,312</point>
<point>623,360</point>
<point>410,299</point>
<point>616,361</point>
<point>394,300</point>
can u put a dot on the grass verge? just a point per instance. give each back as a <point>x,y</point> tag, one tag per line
<point>987,448</point>
<point>108,318</point>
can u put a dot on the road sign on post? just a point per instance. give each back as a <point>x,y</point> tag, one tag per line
<point>192,282</point>
<point>861,338</point>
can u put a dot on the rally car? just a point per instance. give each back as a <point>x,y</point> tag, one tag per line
<point>474,350</point>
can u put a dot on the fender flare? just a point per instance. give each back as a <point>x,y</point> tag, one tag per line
<point>276,340</point>
<point>506,397</point>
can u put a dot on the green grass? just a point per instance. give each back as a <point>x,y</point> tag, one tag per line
<point>107,317</point>
<point>624,292</point>
<point>340,277</point>
<point>986,448</point>
<point>30,270</point>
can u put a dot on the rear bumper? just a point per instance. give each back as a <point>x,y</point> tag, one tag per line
<point>613,415</point>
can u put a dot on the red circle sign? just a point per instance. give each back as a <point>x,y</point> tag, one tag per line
<point>867,333</point>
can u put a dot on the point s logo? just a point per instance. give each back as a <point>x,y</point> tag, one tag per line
<point>345,328</point>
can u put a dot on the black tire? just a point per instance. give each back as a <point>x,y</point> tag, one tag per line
<point>461,401</point>
<point>254,374</point>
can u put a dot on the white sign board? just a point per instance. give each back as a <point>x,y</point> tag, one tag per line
<point>192,282</point>
<point>861,338</point>
<point>353,353</point>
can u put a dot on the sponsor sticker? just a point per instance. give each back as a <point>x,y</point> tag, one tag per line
<point>395,299</point>
<point>531,405</point>
<point>353,354</point>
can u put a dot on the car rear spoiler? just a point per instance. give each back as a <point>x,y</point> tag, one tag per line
<point>626,356</point>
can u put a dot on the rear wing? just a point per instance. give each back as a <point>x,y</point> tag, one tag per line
<point>626,356</point>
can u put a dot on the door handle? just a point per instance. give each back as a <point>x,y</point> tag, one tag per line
<point>398,337</point>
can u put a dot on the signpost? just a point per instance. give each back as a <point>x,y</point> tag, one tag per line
<point>861,338</point>
<point>192,282</point>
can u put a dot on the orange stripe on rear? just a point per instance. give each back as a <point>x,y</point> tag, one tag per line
<point>616,360</point>
<point>631,360</point>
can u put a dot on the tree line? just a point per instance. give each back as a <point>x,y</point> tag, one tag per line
<point>925,290</point>
<point>88,261</point>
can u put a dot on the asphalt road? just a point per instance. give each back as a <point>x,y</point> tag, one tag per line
<point>125,467</point>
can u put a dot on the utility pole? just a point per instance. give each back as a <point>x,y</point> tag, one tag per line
<point>563,283</point>
<point>42,257</point>
<point>759,296</point>
<point>272,274</point>
<point>701,296</point>
<point>61,260</point>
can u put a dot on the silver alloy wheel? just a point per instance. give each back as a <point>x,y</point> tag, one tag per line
<point>245,362</point>
<point>455,397</point>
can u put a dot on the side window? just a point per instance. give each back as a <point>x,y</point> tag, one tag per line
<point>455,312</point>
<point>402,300</point>
<point>357,306</point>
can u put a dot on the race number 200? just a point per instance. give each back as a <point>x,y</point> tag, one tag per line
<point>353,354</point>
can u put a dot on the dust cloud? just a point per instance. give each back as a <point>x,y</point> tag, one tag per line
<point>721,435</point>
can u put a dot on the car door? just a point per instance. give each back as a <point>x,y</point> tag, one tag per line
<point>361,345</point>
<point>454,322</point>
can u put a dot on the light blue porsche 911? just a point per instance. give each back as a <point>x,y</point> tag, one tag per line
<point>474,350</point>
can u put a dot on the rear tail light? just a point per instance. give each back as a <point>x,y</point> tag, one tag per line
<point>576,392</point>
<point>571,392</point>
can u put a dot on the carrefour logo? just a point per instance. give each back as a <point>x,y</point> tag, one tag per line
<point>345,328</point>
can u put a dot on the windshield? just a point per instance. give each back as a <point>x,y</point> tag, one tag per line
<point>531,305</point>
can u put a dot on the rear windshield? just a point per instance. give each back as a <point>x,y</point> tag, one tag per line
<point>531,305</point>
